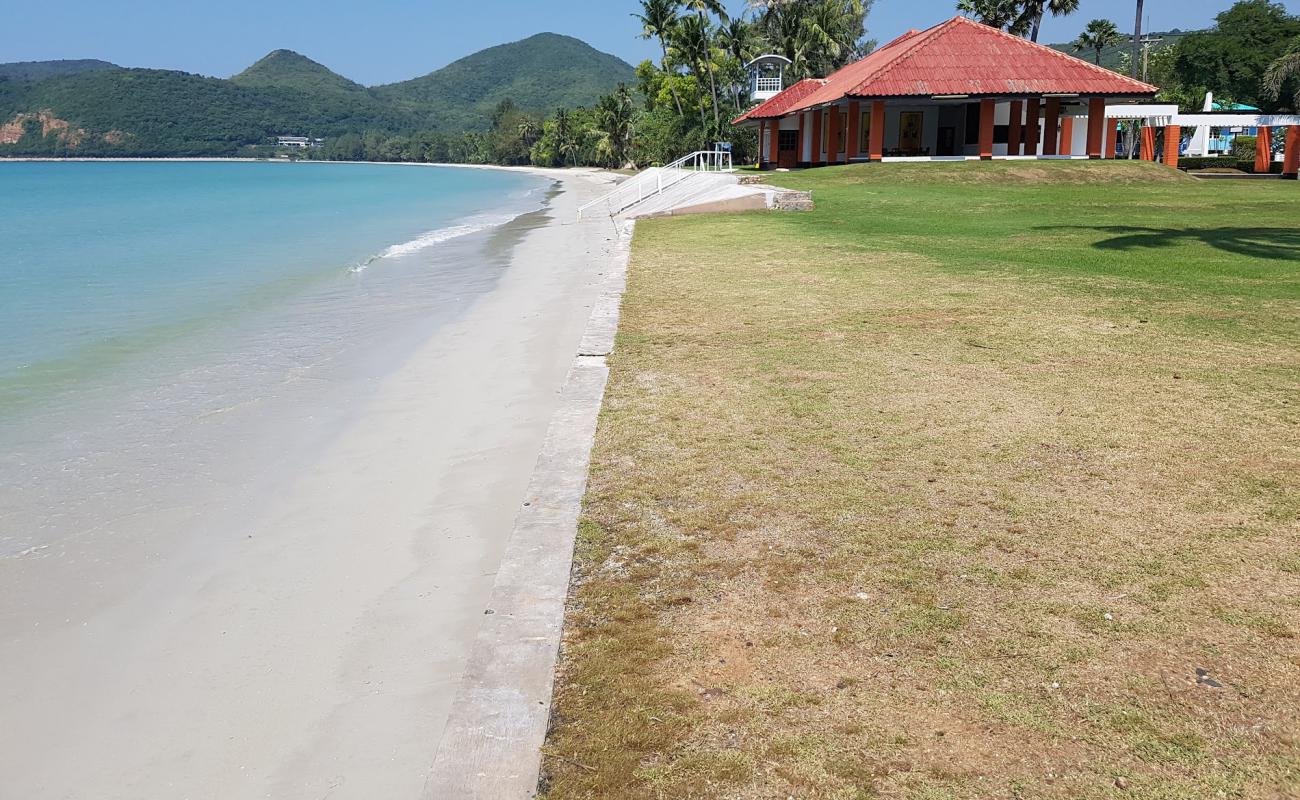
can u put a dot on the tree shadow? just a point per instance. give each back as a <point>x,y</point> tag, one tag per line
<point>1275,243</point>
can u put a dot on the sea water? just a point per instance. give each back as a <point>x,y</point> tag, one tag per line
<point>168,330</point>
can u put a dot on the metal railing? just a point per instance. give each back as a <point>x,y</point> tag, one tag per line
<point>652,182</point>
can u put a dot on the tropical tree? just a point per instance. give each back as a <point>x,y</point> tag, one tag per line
<point>658,19</point>
<point>692,45</point>
<point>1097,36</point>
<point>614,126</point>
<point>818,36</point>
<point>1032,12</point>
<point>1136,49</point>
<point>1232,57</point>
<point>567,140</point>
<point>1286,69</point>
<point>736,38</point>
<point>702,9</point>
<point>995,13</point>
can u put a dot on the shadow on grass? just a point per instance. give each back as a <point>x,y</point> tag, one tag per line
<point>1275,243</point>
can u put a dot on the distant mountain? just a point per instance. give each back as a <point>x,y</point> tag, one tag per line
<point>40,70</point>
<point>540,73</point>
<point>1110,56</point>
<point>148,112</point>
<point>285,69</point>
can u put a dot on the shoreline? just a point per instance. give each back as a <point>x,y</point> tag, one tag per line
<point>317,646</point>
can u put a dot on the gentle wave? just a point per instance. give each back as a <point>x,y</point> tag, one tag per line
<point>435,237</point>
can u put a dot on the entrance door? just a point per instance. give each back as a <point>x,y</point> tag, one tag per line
<point>909,132</point>
<point>787,149</point>
<point>947,142</point>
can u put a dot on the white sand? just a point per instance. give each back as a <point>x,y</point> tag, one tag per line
<point>317,655</point>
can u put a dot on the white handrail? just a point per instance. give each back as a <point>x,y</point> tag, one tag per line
<point>652,182</point>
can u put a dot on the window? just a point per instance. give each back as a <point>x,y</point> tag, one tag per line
<point>788,141</point>
<point>826,131</point>
<point>864,133</point>
<point>842,133</point>
<point>768,83</point>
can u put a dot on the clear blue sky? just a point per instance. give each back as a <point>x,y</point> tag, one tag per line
<point>378,41</point>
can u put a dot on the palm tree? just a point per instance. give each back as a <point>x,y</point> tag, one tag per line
<point>736,38</point>
<point>658,19</point>
<point>995,13</point>
<point>1100,34</point>
<point>818,36</point>
<point>1286,68</point>
<point>566,140</point>
<point>702,9</point>
<point>614,112</point>
<point>1032,11</point>
<point>691,45</point>
<point>1137,41</point>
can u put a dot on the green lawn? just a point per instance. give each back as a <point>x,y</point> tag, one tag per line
<point>981,480</point>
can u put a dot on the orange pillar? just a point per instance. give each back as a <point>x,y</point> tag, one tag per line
<point>877,130</point>
<point>1051,126</point>
<point>986,128</point>
<point>1067,137</point>
<point>1013,128</point>
<point>1148,152</point>
<point>817,136</point>
<point>1263,150</point>
<point>1112,139</point>
<point>1173,137</point>
<point>1032,106</point>
<point>1291,155</point>
<point>855,131</point>
<point>775,153</point>
<point>1096,127</point>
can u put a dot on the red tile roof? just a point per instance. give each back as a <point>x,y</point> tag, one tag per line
<point>959,56</point>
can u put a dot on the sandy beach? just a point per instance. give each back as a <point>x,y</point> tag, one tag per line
<point>312,650</point>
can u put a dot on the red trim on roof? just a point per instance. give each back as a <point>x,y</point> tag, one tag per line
<point>958,56</point>
<point>777,106</point>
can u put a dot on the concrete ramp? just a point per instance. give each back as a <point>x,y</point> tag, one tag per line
<point>702,193</point>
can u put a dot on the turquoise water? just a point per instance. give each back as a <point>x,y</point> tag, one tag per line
<point>103,261</point>
<point>172,331</point>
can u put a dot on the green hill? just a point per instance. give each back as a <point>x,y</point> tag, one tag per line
<point>540,73</point>
<point>285,69</point>
<point>1110,56</point>
<point>40,70</point>
<point>150,112</point>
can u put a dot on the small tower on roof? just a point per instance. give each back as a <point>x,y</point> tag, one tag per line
<point>766,76</point>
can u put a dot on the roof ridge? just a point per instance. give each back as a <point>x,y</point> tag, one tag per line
<point>1094,67</point>
<point>917,40</point>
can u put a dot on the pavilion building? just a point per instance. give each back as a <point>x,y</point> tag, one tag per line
<point>959,90</point>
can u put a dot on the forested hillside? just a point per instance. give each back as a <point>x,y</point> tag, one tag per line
<point>64,110</point>
<point>540,73</point>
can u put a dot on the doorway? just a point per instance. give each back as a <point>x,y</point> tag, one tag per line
<point>787,149</point>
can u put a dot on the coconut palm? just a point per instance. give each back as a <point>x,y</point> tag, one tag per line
<point>658,18</point>
<point>614,116</point>
<point>736,38</point>
<point>566,138</point>
<point>818,36</point>
<point>1285,69</point>
<point>702,9</point>
<point>996,13</point>
<point>1032,12</point>
<point>691,44</point>
<point>1137,42</point>
<point>1100,34</point>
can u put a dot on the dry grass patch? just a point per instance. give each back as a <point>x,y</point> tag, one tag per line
<point>866,522</point>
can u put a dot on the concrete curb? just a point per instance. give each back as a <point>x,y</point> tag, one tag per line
<point>491,745</point>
